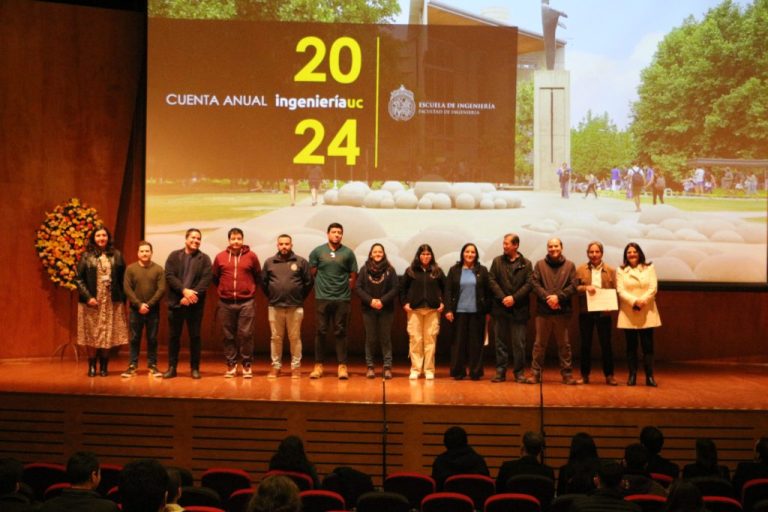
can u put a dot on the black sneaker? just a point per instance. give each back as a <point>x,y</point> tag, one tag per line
<point>129,372</point>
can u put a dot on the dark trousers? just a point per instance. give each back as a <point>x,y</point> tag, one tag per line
<point>193,316</point>
<point>378,331</point>
<point>467,347</point>
<point>587,324</point>
<point>645,339</point>
<point>237,320</point>
<point>510,334</point>
<point>137,323</point>
<point>333,314</point>
<point>658,193</point>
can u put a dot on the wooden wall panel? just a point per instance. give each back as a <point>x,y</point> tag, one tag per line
<point>199,434</point>
<point>72,79</point>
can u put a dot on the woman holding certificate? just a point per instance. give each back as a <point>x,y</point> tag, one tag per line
<point>636,285</point>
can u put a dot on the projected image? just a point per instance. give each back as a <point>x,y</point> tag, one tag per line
<point>406,135</point>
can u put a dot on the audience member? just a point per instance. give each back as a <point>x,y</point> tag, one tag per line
<point>577,475</point>
<point>746,471</point>
<point>529,462</point>
<point>609,496</point>
<point>653,440</point>
<point>458,459</point>
<point>174,491</point>
<point>143,486</point>
<point>84,473</point>
<point>706,462</point>
<point>276,494</point>
<point>684,497</point>
<point>11,500</point>
<point>637,479</point>
<point>290,456</point>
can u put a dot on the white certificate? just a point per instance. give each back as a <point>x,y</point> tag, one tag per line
<point>604,299</point>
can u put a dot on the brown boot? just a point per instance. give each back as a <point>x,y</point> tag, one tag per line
<point>342,372</point>
<point>317,371</point>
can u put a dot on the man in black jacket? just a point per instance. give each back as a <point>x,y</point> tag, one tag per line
<point>608,497</point>
<point>747,471</point>
<point>527,464</point>
<point>188,275</point>
<point>11,500</point>
<point>510,282</point>
<point>84,473</point>
<point>458,459</point>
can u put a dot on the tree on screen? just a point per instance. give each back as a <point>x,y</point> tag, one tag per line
<point>705,94</point>
<point>597,146</point>
<point>328,11</point>
<point>524,131</point>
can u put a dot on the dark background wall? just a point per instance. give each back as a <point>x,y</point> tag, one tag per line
<point>72,111</point>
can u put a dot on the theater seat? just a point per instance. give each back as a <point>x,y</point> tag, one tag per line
<point>721,504</point>
<point>238,501</point>
<point>512,502</point>
<point>447,502</point>
<point>539,486</point>
<point>754,491</point>
<point>381,501</point>
<point>648,502</point>
<point>303,481</point>
<point>413,486</point>
<point>318,500</point>
<point>200,497</point>
<point>478,487</point>
<point>39,476</point>
<point>225,481</point>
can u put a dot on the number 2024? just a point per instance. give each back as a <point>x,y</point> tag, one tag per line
<point>344,143</point>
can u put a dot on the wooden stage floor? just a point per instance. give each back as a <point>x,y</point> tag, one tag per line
<point>50,408</point>
<point>701,386</point>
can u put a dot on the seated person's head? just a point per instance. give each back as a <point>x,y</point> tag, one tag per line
<point>455,437</point>
<point>761,449</point>
<point>652,439</point>
<point>143,486</point>
<point>610,474</point>
<point>174,485</point>
<point>533,443</point>
<point>10,475</point>
<point>635,457</point>
<point>84,470</point>
<point>276,494</point>
<point>684,497</point>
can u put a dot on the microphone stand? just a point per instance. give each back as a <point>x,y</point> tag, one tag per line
<point>384,428</point>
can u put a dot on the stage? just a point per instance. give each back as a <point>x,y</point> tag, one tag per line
<point>50,408</point>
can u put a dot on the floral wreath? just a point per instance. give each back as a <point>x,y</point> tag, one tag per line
<point>62,239</point>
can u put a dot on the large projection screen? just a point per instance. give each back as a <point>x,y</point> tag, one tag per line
<point>406,132</point>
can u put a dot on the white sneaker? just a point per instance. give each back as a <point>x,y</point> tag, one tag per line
<point>414,375</point>
<point>429,375</point>
<point>247,372</point>
<point>231,371</point>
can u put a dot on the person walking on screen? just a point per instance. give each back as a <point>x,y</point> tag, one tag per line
<point>554,283</point>
<point>334,268</point>
<point>287,281</point>
<point>144,286</point>
<point>188,275</point>
<point>589,277</point>
<point>511,283</point>
<point>236,272</point>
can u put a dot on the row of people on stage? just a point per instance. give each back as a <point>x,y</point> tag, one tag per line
<point>468,297</point>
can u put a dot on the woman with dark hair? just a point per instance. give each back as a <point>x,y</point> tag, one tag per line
<point>101,323</point>
<point>706,462</point>
<point>467,301</point>
<point>276,494</point>
<point>290,456</point>
<point>422,298</point>
<point>376,285</point>
<point>684,497</point>
<point>636,285</point>
<point>577,475</point>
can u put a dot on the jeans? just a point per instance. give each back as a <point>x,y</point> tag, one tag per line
<point>137,323</point>
<point>423,328</point>
<point>545,326</point>
<point>237,320</point>
<point>467,346</point>
<point>510,334</point>
<point>192,315</point>
<point>282,320</point>
<point>333,313</point>
<point>378,331</point>
<point>587,324</point>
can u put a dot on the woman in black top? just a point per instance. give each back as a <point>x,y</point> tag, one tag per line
<point>422,299</point>
<point>290,456</point>
<point>706,462</point>
<point>467,303</point>
<point>376,286</point>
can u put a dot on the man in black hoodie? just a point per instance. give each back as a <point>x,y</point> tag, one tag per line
<point>554,283</point>
<point>458,459</point>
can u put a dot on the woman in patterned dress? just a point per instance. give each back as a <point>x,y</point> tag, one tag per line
<point>101,322</point>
